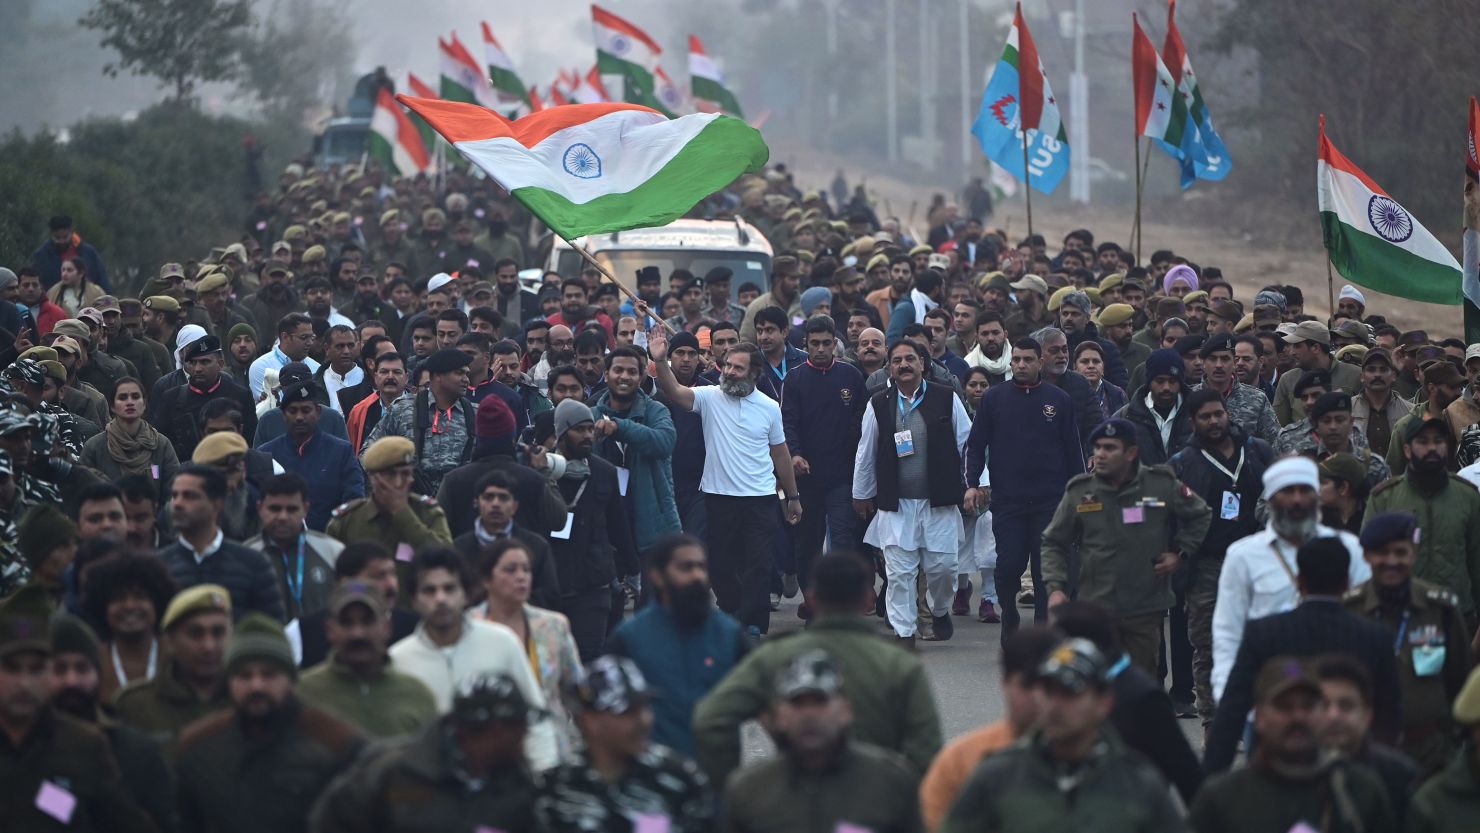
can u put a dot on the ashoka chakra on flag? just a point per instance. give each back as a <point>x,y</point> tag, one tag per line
<point>594,168</point>
<point>1390,220</point>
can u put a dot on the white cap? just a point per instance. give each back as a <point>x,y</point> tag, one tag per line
<point>1291,471</point>
<point>1351,293</point>
<point>438,281</point>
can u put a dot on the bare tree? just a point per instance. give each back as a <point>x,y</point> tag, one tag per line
<point>181,42</point>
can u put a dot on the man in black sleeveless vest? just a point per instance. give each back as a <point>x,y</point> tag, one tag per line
<point>908,476</point>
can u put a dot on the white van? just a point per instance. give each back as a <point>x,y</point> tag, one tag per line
<point>695,245</point>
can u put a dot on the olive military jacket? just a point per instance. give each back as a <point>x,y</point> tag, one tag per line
<point>1120,533</point>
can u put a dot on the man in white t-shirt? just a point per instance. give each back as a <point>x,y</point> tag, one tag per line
<point>745,455</point>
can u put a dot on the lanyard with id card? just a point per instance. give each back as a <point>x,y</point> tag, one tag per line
<point>1230,504</point>
<point>904,441</point>
<point>570,517</point>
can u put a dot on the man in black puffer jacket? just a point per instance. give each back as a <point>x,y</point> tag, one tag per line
<point>1226,469</point>
<point>202,555</point>
<point>1163,427</point>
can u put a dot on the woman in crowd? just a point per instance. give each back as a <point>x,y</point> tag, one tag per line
<point>74,292</point>
<point>129,444</point>
<point>507,578</point>
<point>1089,362</point>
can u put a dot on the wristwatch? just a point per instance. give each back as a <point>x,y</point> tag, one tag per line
<point>791,498</point>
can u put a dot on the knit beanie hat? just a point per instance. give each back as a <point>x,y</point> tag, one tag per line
<point>814,296</point>
<point>259,637</point>
<point>494,419</point>
<point>44,528</point>
<point>1164,362</point>
<point>570,413</point>
<point>70,635</point>
<point>242,329</point>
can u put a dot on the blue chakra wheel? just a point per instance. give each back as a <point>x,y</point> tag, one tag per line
<point>580,161</point>
<point>1388,219</point>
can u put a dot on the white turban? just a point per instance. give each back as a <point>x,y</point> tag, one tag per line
<point>1291,471</point>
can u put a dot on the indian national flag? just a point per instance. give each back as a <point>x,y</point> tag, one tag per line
<point>1161,113</point>
<point>1374,241</point>
<point>669,95</point>
<point>510,91</point>
<point>624,50</point>
<point>462,79</point>
<point>421,89</point>
<point>394,140</point>
<point>707,83</point>
<point>594,168</point>
<point>1470,239</point>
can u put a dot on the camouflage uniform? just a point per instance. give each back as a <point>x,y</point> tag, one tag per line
<point>1249,409</point>
<point>14,571</point>
<point>658,782</point>
<point>445,445</point>
<point>1299,438</point>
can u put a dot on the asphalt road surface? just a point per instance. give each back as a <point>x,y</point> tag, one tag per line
<point>964,672</point>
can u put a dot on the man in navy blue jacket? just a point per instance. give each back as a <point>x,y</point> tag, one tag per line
<point>326,463</point>
<point>1024,435</point>
<point>65,243</point>
<point>822,402</point>
<point>781,358</point>
<point>688,451</point>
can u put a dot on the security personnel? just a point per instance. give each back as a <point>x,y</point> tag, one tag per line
<point>188,685</point>
<point>101,369</point>
<point>121,341</point>
<point>439,420</point>
<point>1450,801</point>
<point>1133,525</point>
<point>393,515</point>
<point>1429,635</point>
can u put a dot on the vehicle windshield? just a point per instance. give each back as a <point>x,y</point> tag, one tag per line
<point>343,145</point>
<point>749,267</point>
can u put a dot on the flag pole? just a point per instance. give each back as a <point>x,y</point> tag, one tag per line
<point>1136,220</point>
<point>605,273</point>
<point>1330,288</point>
<point>1027,183</point>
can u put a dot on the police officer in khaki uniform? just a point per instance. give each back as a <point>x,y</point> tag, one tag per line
<point>392,515</point>
<point>1134,525</point>
<point>1429,635</point>
<point>187,684</point>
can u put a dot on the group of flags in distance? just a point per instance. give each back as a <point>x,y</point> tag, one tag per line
<point>627,69</point>
<point>1019,121</point>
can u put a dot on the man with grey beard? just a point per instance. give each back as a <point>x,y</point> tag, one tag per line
<point>1056,372</point>
<point>745,459</point>
<point>1258,576</point>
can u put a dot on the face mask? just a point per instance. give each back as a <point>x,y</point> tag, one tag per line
<point>496,229</point>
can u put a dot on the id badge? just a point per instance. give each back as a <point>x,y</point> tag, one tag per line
<point>904,443</point>
<point>1229,510</point>
<point>1428,660</point>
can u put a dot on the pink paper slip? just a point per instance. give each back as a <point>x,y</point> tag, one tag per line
<point>56,802</point>
<point>404,552</point>
<point>650,823</point>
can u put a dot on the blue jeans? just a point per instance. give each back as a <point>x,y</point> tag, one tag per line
<point>827,514</point>
<point>1018,528</point>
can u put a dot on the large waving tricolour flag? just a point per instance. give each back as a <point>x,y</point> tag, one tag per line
<point>593,168</point>
<point>1374,241</point>
<point>1019,101</point>
<point>1470,239</point>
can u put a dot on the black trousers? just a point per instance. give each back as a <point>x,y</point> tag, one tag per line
<point>742,534</point>
<point>588,612</point>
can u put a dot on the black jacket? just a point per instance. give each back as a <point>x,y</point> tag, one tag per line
<point>544,588</point>
<point>541,508</point>
<point>1086,411</point>
<point>1115,372</point>
<point>1317,626</point>
<point>245,573</point>
<point>1148,437</point>
<point>1209,483</point>
<point>1144,719</point>
<point>178,413</point>
<point>600,546</point>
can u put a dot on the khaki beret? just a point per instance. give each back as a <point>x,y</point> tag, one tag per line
<point>1116,314</point>
<point>1244,324</point>
<point>236,249</point>
<point>1056,300</point>
<point>877,261</point>
<point>1094,295</point>
<point>55,369</point>
<point>1467,704</point>
<point>42,354</point>
<point>1352,354</point>
<point>163,303</point>
<point>218,446</point>
<point>846,250</point>
<point>792,214</point>
<point>1198,297</point>
<point>211,283</point>
<point>921,249</point>
<point>389,452</point>
<point>1111,281</point>
<point>198,599</point>
<point>314,254</point>
<point>391,215</point>
<point>294,232</point>
<point>341,217</point>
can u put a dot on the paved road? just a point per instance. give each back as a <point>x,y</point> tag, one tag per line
<point>964,672</point>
